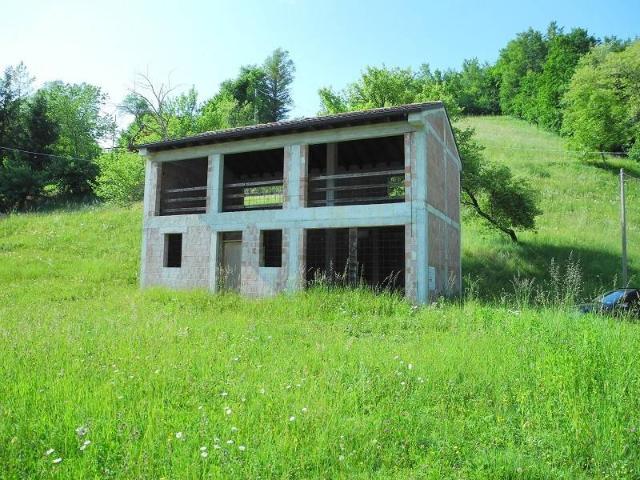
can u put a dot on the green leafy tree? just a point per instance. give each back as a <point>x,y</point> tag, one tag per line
<point>15,87</point>
<point>78,111</point>
<point>28,133</point>
<point>563,54</point>
<point>121,177</point>
<point>602,104</point>
<point>523,57</point>
<point>505,202</point>
<point>475,88</point>
<point>279,72</point>
<point>243,98</point>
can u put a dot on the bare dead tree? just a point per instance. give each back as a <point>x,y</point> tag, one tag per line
<point>149,104</point>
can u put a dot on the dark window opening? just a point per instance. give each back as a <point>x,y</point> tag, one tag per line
<point>271,248</point>
<point>356,172</point>
<point>253,180</point>
<point>173,250</point>
<point>372,256</point>
<point>183,187</point>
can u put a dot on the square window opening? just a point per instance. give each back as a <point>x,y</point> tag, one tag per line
<point>173,250</point>
<point>271,248</point>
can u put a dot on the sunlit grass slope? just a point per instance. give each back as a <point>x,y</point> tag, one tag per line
<point>580,201</point>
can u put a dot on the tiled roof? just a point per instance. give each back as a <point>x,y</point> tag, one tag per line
<point>363,117</point>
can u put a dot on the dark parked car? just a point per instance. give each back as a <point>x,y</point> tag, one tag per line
<point>617,302</point>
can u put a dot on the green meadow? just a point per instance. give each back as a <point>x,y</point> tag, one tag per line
<point>99,379</point>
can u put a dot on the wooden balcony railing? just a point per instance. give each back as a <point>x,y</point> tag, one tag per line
<point>357,188</point>
<point>183,201</point>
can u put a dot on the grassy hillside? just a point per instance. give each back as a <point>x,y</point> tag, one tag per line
<point>321,384</point>
<point>581,218</point>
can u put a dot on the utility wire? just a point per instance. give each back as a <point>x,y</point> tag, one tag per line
<point>43,154</point>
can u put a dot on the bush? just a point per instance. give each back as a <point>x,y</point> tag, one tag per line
<point>20,185</point>
<point>121,178</point>
<point>634,151</point>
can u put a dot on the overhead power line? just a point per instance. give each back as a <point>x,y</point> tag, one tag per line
<point>43,154</point>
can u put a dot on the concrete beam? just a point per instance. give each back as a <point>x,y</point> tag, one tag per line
<point>280,141</point>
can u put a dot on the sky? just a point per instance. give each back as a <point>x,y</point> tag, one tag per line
<point>202,43</point>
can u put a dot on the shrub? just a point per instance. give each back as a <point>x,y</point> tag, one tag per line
<point>121,178</point>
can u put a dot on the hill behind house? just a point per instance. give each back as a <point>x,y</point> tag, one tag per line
<point>581,212</point>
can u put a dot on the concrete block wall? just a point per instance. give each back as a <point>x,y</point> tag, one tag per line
<point>443,199</point>
<point>194,271</point>
<point>430,213</point>
<point>257,281</point>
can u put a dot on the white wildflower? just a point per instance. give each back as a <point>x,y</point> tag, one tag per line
<point>227,411</point>
<point>204,454</point>
<point>242,448</point>
<point>341,458</point>
<point>224,394</point>
<point>49,452</point>
<point>57,460</point>
<point>179,435</point>
<point>292,418</point>
<point>230,442</point>
<point>410,366</point>
<point>304,410</point>
<point>203,448</point>
<point>234,429</point>
<point>82,431</point>
<point>85,444</point>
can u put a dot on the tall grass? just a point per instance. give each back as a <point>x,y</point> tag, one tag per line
<point>328,383</point>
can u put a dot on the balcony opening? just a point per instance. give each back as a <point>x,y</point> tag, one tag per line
<point>253,180</point>
<point>372,256</point>
<point>183,187</point>
<point>356,172</point>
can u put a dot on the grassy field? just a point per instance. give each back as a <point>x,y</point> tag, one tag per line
<point>101,380</point>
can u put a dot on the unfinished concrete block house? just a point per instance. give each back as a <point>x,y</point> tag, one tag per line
<point>369,196</point>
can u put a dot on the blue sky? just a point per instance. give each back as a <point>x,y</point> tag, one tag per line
<point>203,42</point>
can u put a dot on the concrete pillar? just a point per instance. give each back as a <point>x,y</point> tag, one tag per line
<point>215,177</point>
<point>418,235</point>
<point>295,176</point>
<point>296,264</point>
<point>152,188</point>
<point>215,260</point>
